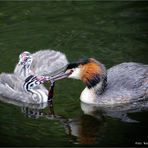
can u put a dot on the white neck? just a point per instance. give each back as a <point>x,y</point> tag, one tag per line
<point>90,96</point>
<point>21,71</point>
<point>26,72</point>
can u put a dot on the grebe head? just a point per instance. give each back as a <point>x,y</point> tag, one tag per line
<point>25,59</point>
<point>90,71</point>
<point>31,85</point>
<point>33,82</point>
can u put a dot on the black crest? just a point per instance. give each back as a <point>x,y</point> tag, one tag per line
<point>77,63</point>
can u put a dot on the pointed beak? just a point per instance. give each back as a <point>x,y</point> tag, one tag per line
<point>41,79</point>
<point>23,60</point>
<point>62,75</point>
<point>20,63</point>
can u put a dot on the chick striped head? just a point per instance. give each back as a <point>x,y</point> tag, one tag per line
<point>25,58</point>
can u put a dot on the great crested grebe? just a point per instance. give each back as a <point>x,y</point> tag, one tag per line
<point>126,82</point>
<point>40,63</point>
<point>123,83</point>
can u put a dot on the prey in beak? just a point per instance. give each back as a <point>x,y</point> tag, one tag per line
<point>32,82</point>
<point>61,75</point>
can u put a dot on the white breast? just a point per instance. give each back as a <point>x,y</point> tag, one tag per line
<point>88,96</point>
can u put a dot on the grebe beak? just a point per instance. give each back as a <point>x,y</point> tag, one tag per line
<point>37,80</point>
<point>41,79</point>
<point>62,75</point>
<point>21,63</point>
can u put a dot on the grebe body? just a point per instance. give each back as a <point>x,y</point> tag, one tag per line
<point>43,62</point>
<point>123,83</point>
<point>126,82</point>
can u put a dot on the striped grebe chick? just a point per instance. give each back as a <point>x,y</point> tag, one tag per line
<point>40,63</point>
<point>11,86</point>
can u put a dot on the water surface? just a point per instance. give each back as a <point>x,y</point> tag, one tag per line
<point>111,32</point>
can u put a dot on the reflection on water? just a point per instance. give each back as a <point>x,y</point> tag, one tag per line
<point>88,128</point>
<point>112,32</point>
<point>119,111</point>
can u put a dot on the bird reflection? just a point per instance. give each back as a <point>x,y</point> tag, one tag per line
<point>89,127</point>
<point>85,129</point>
<point>119,111</point>
<point>29,110</point>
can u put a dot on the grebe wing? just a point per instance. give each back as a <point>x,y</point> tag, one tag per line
<point>10,86</point>
<point>129,79</point>
<point>128,75</point>
<point>48,61</point>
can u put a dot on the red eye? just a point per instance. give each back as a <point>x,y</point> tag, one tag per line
<point>71,71</point>
<point>24,59</point>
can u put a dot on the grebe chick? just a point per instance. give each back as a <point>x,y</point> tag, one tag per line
<point>40,63</point>
<point>123,83</point>
<point>11,86</point>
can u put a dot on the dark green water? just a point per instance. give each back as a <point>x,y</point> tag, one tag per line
<point>112,32</point>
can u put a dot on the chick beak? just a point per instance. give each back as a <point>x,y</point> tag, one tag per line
<point>21,63</point>
<point>62,75</point>
<point>41,79</point>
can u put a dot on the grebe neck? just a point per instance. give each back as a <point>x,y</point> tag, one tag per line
<point>95,85</point>
<point>25,71</point>
<point>96,79</point>
<point>39,96</point>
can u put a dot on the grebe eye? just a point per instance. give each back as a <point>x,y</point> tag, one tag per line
<point>25,59</point>
<point>31,85</point>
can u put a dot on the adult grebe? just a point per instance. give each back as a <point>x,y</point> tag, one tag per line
<point>40,63</point>
<point>123,83</point>
<point>126,82</point>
